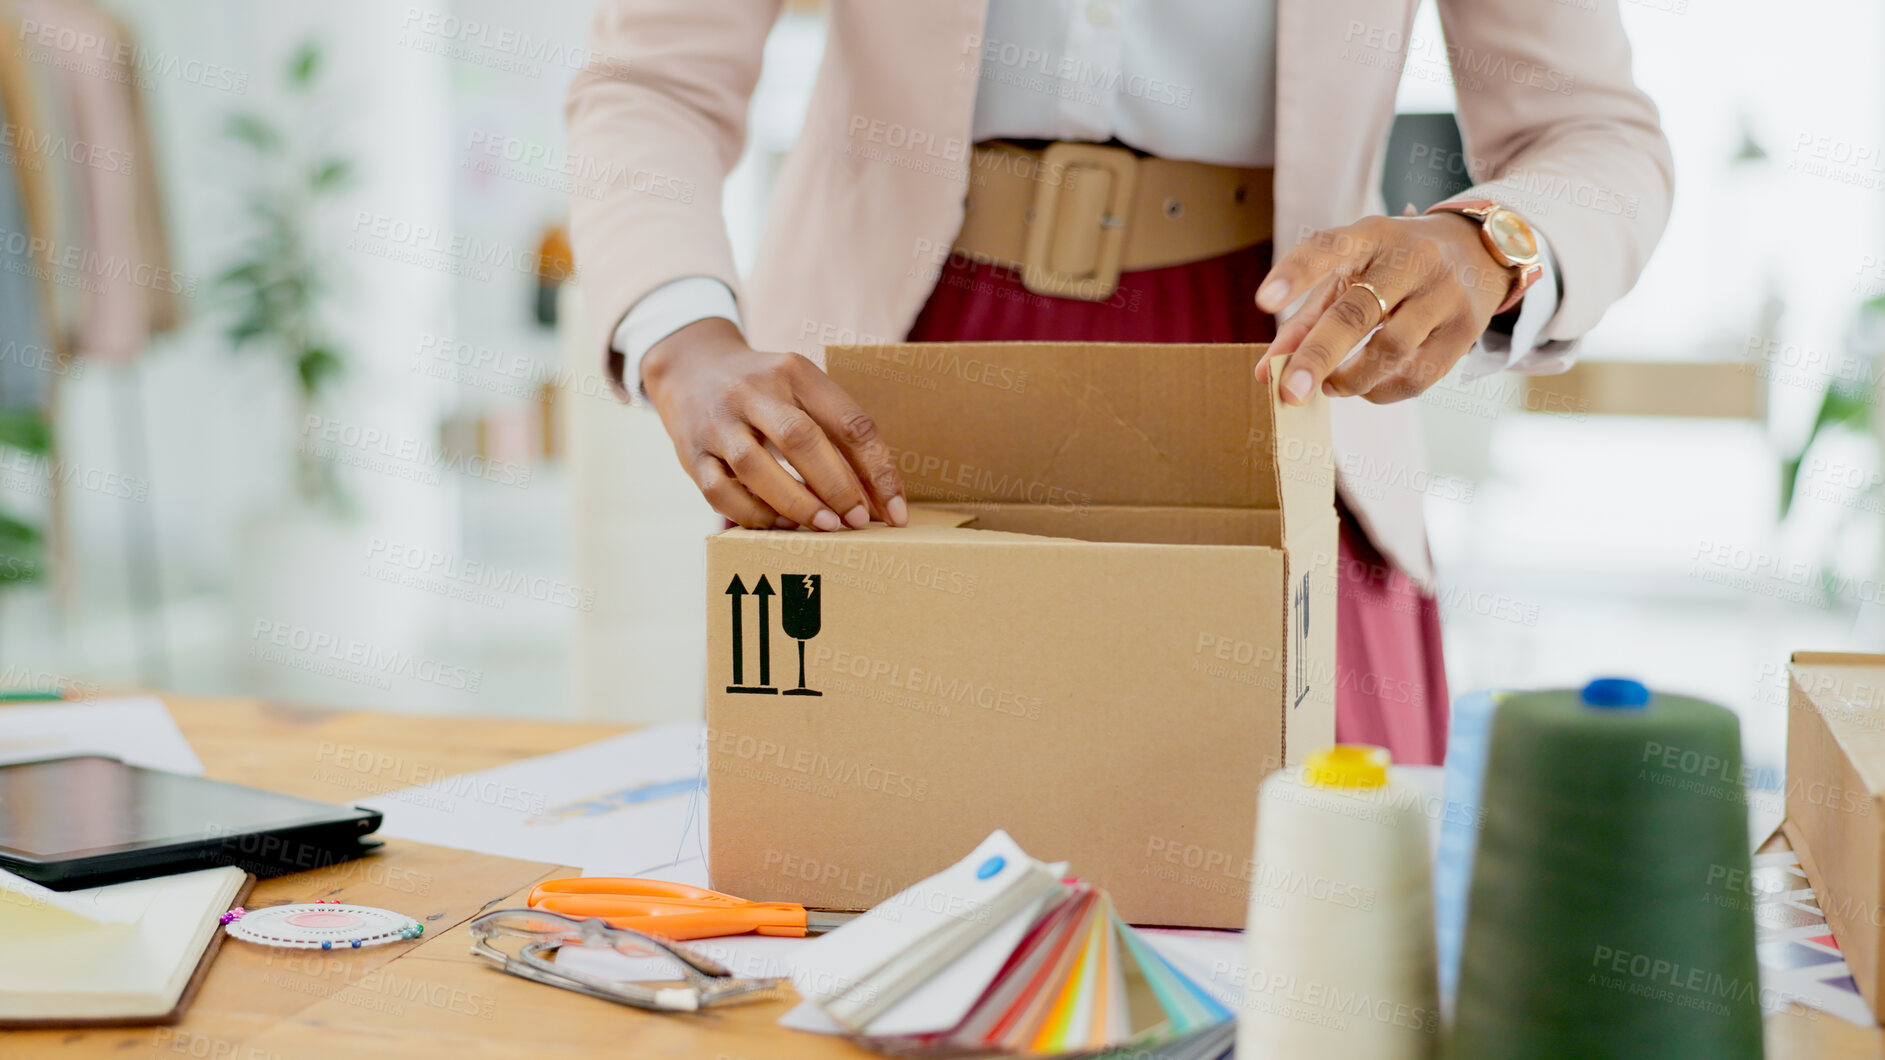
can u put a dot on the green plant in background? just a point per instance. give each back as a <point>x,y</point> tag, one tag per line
<point>279,279</point>
<point>1847,403</point>
<point>23,545</point>
<point>1845,408</point>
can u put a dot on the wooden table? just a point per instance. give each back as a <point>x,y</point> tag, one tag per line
<point>430,997</point>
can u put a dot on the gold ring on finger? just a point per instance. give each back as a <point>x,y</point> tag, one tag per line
<point>1378,300</point>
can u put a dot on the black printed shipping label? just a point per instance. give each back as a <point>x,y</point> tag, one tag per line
<point>800,603</point>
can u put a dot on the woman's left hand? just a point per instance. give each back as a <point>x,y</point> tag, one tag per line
<point>1437,284</point>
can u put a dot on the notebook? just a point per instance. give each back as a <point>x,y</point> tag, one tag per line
<point>1035,967</point>
<point>126,953</point>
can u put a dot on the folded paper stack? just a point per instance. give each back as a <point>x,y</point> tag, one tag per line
<point>999,956</point>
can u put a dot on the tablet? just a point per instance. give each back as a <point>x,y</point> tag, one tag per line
<point>90,820</point>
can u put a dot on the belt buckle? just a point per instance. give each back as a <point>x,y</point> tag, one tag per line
<point>1062,167</point>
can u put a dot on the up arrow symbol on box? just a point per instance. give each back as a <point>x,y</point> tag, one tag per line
<point>737,590</point>
<point>764,591</point>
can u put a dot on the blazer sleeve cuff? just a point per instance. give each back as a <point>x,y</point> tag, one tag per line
<point>1514,341</point>
<point>662,312</point>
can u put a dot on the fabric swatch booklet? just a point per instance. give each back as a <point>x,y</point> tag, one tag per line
<point>999,956</point>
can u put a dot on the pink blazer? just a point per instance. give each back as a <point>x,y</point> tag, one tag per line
<point>1554,126</point>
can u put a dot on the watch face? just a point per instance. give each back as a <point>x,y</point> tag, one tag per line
<point>1512,235</point>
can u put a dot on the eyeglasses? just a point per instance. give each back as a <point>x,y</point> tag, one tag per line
<point>702,982</point>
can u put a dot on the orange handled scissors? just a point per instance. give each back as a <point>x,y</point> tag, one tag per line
<point>676,910</point>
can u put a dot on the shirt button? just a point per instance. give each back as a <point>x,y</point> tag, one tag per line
<point>1099,12</point>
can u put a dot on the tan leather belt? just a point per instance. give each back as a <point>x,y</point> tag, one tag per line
<point>1072,217</point>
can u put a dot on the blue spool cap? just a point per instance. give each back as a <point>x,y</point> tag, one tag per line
<point>1616,693</point>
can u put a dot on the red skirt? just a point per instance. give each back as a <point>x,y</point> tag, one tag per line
<point>1390,677</point>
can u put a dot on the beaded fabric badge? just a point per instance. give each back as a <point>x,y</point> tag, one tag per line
<point>321,925</point>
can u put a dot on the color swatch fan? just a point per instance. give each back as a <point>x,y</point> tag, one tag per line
<point>997,956</point>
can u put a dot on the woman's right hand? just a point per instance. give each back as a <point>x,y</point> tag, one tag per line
<point>729,407</point>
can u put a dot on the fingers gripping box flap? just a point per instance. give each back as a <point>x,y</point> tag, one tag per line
<point>1111,616</point>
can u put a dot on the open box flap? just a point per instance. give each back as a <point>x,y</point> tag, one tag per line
<point>1087,424</point>
<point>1304,461</point>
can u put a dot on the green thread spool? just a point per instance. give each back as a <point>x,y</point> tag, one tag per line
<point>1608,914</point>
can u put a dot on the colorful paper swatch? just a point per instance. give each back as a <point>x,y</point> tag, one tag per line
<point>1080,981</point>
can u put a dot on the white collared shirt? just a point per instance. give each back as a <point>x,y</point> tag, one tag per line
<point>1184,79</point>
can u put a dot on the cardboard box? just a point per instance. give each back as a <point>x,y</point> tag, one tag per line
<point>1112,615</point>
<point>1836,799</point>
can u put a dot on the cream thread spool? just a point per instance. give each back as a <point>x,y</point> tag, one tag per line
<point>1339,943</point>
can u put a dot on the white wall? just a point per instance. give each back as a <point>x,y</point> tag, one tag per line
<point>220,428</point>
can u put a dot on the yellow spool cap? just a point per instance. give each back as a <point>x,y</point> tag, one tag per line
<point>1348,765</point>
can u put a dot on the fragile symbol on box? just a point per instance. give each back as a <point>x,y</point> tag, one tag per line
<point>798,617</point>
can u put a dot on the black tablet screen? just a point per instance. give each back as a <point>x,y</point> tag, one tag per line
<point>73,807</point>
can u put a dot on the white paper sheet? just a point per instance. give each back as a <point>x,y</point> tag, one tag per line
<point>633,805</point>
<point>746,956</point>
<point>136,729</point>
<point>808,1017</point>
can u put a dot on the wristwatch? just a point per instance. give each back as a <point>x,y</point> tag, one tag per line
<point>1509,239</point>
